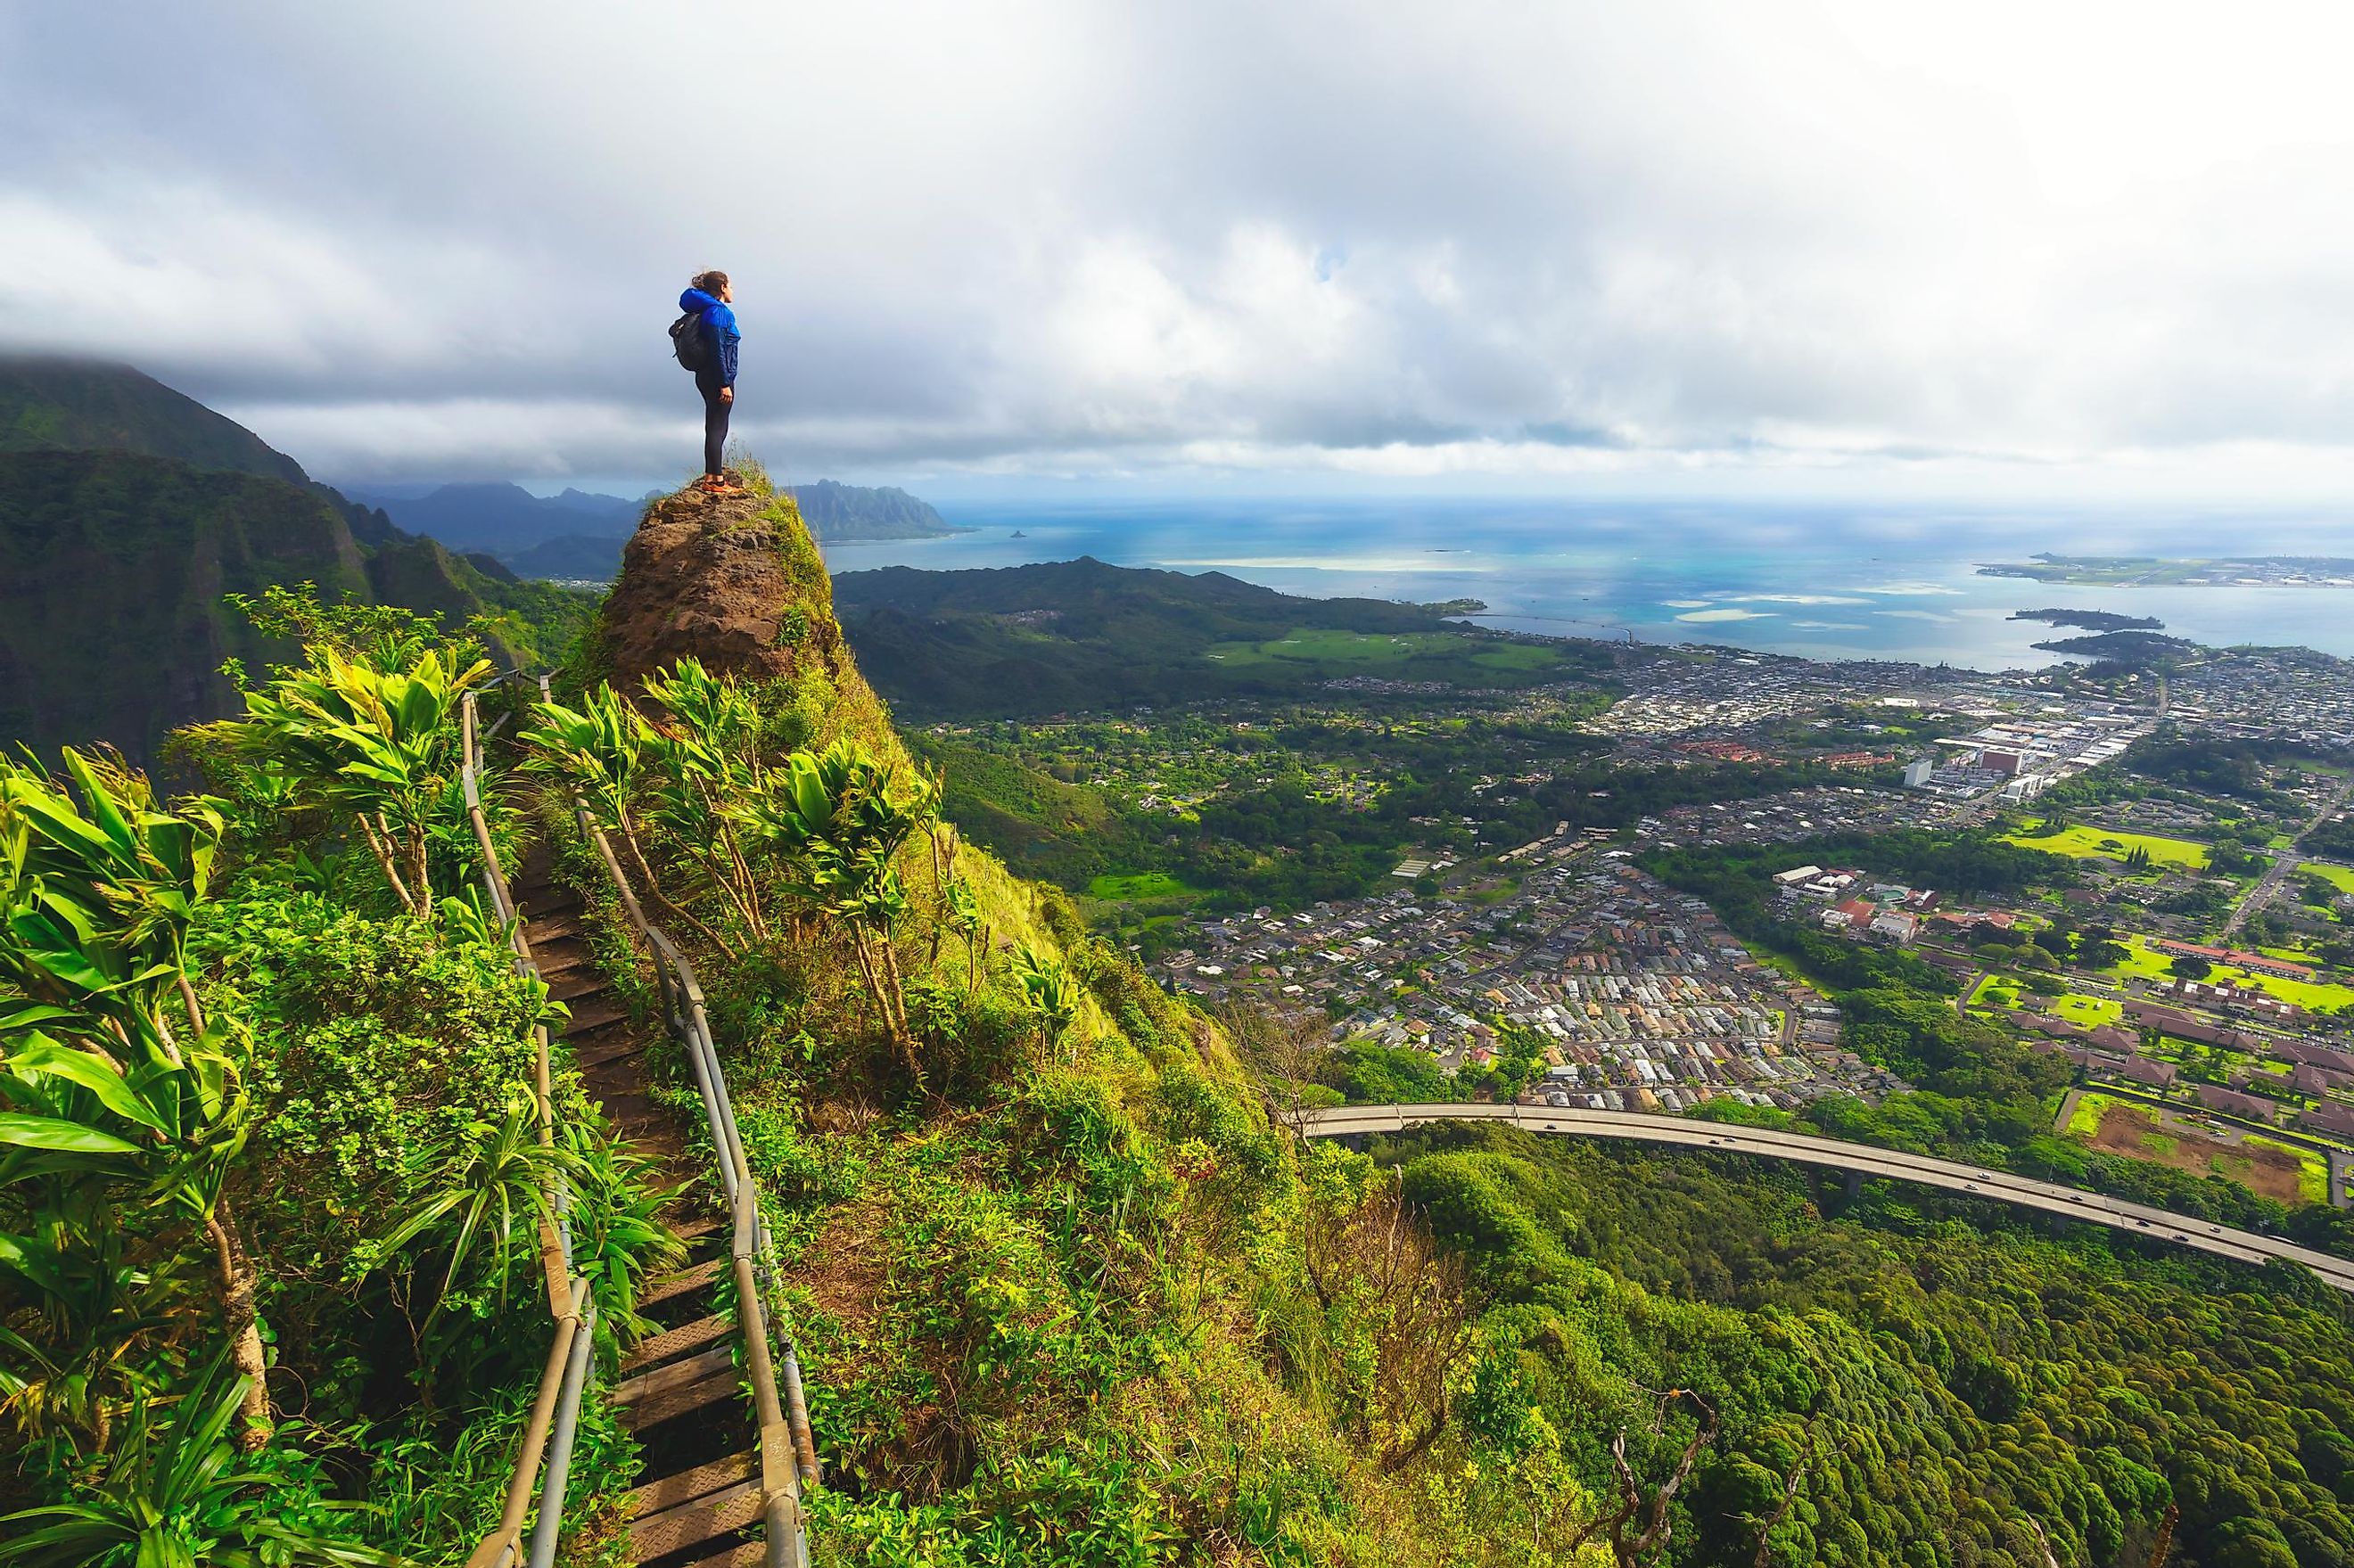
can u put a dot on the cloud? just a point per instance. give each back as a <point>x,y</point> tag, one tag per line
<point>1913,615</point>
<point>1802,598</point>
<point>1727,615</point>
<point>1569,243</point>
<point>1831,625</point>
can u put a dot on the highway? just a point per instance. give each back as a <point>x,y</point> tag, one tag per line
<point>2139,1219</point>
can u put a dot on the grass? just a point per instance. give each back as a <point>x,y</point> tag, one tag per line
<point>2086,1118</point>
<point>2103,843</point>
<point>2337,876</point>
<point>2143,961</point>
<point>1139,884</point>
<point>1399,653</point>
<point>2092,1011</point>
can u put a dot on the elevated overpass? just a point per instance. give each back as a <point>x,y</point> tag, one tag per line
<point>2001,1186</point>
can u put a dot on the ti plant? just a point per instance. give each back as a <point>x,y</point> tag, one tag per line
<point>110,1102</point>
<point>372,737</point>
<point>845,814</point>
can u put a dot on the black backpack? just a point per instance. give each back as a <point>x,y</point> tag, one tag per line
<point>688,341</point>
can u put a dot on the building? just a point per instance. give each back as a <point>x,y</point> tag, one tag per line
<point>1895,925</point>
<point>1917,771</point>
<point>2336,1121</point>
<point>2231,1102</point>
<point>2149,1073</point>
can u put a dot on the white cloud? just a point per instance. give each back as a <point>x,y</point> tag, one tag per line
<point>2109,249</point>
<point>1727,615</point>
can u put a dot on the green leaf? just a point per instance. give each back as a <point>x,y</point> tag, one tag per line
<point>56,1134</point>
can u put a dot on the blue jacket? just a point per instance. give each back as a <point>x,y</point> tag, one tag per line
<point>719,327</point>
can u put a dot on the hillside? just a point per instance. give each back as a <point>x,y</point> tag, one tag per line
<point>1076,635</point>
<point>115,558</point>
<point>72,405</point>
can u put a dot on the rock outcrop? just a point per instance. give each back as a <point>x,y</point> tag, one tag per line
<point>733,580</point>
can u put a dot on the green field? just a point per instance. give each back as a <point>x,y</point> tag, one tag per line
<point>2337,876</point>
<point>2092,1011</point>
<point>1136,885</point>
<point>1398,652</point>
<point>2102,844</point>
<point>2141,959</point>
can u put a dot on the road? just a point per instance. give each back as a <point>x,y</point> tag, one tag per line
<point>2284,862</point>
<point>2222,1241</point>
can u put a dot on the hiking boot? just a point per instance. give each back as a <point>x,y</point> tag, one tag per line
<point>717,485</point>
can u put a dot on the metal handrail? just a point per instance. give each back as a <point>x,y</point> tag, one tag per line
<point>787,1451</point>
<point>555,1407</point>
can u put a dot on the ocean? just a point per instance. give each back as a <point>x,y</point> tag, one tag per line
<point>1825,582</point>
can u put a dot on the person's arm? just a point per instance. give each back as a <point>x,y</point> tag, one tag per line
<point>723,327</point>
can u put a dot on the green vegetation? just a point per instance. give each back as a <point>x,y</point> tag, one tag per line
<point>1081,636</point>
<point>1900,1378</point>
<point>1140,884</point>
<point>2338,876</point>
<point>269,1139</point>
<point>2085,843</point>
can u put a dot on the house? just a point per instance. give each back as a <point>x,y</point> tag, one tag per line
<point>2109,1037</point>
<point>2334,1120</point>
<point>2231,1102</point>
<point>2316,1081</point>
<point>2149,1073</point>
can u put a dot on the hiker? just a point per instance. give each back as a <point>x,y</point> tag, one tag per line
<point>704,339</point>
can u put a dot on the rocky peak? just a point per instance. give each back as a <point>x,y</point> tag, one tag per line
<point>733,580</point>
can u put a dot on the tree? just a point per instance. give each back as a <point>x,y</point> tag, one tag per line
<point>2190,967</point>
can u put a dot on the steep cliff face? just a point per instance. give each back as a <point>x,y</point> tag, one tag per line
<point>112,569</point>
<point>128,512</point>
<point>733,580</point>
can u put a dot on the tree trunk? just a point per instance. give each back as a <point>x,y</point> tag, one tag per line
<point>237,1282</point>
<point>384,863</point>
<point>660,899</point>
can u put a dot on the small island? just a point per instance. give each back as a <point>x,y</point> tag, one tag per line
<point>2091,620</point>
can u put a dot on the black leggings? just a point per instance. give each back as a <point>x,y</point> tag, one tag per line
<point>714,420</point>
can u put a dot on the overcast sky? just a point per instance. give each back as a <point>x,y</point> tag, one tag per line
<point>2066,249</point>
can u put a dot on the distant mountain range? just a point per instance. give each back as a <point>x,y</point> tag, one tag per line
<point>578,537</point>
<point>127,511</point>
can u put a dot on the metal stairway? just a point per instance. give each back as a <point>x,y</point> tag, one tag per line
<point>679,1392</point>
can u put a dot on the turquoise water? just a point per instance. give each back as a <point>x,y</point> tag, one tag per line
<point>1827,583</point>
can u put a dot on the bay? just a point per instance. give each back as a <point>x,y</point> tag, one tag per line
<point>1825,582</point>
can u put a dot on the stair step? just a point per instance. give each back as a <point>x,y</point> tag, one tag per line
<point>686,1337</point>
<point>720,1389</point>
<point>746,1555</point>
<point>676,1375</point>
<point>688,1485</point>
<point>571,985</point>
<point>691,1523</point>
<point>679,1284</point>
<point>594,1013</point>
<point>607,1052</point>
<point>558,954</point>
<point>697,1225</point>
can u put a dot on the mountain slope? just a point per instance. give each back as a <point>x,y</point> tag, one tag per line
<point>128,512</point>
<point>111,571</point>
<point>51,404</point>
<point>834,512</point>
<point>1069,635</point>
